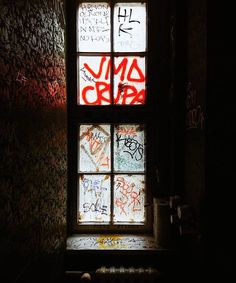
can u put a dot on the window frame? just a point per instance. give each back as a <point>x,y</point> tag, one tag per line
<point>106,114</point>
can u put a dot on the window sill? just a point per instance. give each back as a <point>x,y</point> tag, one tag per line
<point>88,252</point>
<point>112,242</point>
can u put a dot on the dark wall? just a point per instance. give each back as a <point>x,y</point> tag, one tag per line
<point>33,142</point>
<point>195,103</point>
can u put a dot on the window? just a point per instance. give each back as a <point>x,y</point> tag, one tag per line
<point>109,176</point>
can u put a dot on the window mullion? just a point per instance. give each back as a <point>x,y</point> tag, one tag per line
<point>112,103</point>
<point>112,173</point>
<point>112,57</point>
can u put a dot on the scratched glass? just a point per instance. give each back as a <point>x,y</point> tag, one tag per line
<point>93,27</point>
<point>94,148</point>
<point>94,80</point>
<point>129,27</point>
<point>129,198</point>
<point>129,80</point>
<point>94,198</point>
<point>129,148</point>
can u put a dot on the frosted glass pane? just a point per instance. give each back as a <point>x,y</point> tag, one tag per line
<point>94,148</point>
<point>94,198</point>
<point>94,80</point>
<point>93,27</point>
<point>129,80</point>
<point>129,148</point>
<point>129,198</point>
<point>130,27</point>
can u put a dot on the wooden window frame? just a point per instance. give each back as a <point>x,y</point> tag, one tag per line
<point>105,114</point>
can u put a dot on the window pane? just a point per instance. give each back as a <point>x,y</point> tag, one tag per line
<point>129,198</point>
<point>129,148</point>
<point>94,198</point>
<point>94,80</point>
<point>130,27</point>
<point>93,27</point>
<point>129,80</point>
<point>94,148</point>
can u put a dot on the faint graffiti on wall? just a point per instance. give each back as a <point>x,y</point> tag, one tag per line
<point>194,113</point>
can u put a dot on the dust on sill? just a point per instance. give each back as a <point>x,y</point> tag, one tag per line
<point>111,242</point>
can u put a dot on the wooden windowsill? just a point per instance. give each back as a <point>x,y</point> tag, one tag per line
<point>112,242</point>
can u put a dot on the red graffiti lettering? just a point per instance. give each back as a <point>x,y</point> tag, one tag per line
<point>128,195</point>
<point>98,75</point>
<point>97,92</point>
<point>131,131</point>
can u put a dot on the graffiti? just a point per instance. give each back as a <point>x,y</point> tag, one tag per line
<point>118,241</point>
<point>126,16</point>
<point>127,195</point>
<point>95,207</point>
<point>95,145</point>
<point>21,79</point>
<point>131,131</point>
<point>94,25</point>
<point>134,148</point>
<point>32,54</point>
<point>37,92</point>
<point>85,76</point>
<point>132,91</point>
<point>194,116</point>
<point>53,88</point>
<point>93,186</point>
<point>94,198</point>
<point>129,148</point>
<point>130,27</point>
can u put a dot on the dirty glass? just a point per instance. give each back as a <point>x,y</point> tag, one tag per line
<point>129,148</point>
<point>129,27</point>
<point>129,198</point>
<point>94,148</point>
<point>94,198</point>
<point>93,27</point>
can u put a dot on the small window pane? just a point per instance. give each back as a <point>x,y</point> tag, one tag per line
<point>130,27</point>
<point>94,80</point>
<point>129,80</point>
<point>94,148</point>
<point>93,27</point>
<point>129,148</point>
<point>94,198</point>
<point>129,198</point>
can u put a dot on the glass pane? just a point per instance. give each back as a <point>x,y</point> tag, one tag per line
<point>130,27</point>
<point>93,27</point>
<point>94,80</point>
<point>129,148</point>
<point>129,198</point>
<point>129,80</point>
<point>94,148</point>
<point>94,198</point>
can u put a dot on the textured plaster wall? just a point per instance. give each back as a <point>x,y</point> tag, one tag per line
<point>33,153</point>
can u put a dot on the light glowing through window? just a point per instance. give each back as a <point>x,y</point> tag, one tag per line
<point>100,189</point>
<point>129,154</point>
<point>94,198</point>
<point>111,47</point>
<point>102,67</point>
<point>93,27</point>
<point>94,148</point>
<point>129,197</point>
<point>130,27</point>
<point>94,80</point>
